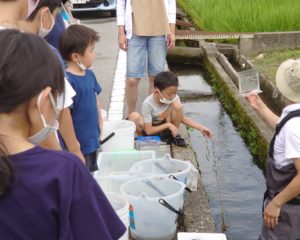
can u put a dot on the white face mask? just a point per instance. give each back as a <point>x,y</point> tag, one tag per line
<point>166,101</point>
<point>47,129</point>
<point>81,66</point>
<point>32,6</point>
<point>44,32</point>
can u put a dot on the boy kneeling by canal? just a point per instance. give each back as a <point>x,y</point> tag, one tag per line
<point>162,112</point>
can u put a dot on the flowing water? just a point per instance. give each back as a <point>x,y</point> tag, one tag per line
<point>233,182</point>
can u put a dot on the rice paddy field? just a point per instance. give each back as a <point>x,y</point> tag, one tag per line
<point>243,15</point>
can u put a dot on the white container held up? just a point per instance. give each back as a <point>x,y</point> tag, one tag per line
<point>118,135</point>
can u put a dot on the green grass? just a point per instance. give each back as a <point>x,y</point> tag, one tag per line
<point>243,15</point>
<point>271,60</point>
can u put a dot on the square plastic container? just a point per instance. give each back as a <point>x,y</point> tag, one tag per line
<point>201,236</point>
<point>249,82</point>
<point>120,161</point>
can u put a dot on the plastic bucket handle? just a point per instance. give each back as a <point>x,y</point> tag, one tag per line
<point>170,207</point>
<point>107,138</point>
<point>186,188</point>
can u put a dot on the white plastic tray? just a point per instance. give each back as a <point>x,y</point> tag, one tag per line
<point>201,236</point>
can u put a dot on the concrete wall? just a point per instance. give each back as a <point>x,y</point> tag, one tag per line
<point>269,41</point>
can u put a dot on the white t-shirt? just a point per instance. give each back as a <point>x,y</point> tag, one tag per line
<point>65,99</point>
<point>287,142</point>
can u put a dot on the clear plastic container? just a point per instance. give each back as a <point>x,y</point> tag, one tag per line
<point>249,82</point>
<point>163,168</point>
<point>120,161</point>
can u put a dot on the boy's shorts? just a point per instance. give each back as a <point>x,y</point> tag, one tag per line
<point>164,135</point>
<point>91,161</point>
<point>142,50</point>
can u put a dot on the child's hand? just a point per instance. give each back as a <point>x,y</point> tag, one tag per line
<point>206,132</point>
<point>174,130</point>
<point>254,101</point>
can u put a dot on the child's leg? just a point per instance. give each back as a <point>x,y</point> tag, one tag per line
<point>139,122</point>
<point>176,114</point>
<point>91,161</point>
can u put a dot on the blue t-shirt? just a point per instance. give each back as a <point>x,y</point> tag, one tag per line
<point>84,110</point>
<point>55,197</point>
<point>57,30</point>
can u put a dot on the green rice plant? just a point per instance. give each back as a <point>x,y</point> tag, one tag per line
<point>243,15</point>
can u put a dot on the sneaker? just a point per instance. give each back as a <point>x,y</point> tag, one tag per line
<point>179,141</point>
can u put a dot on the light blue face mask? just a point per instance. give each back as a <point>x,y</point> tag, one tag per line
<point>41,135</point>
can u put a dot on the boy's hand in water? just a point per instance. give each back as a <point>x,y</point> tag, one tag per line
<point>206,132</point>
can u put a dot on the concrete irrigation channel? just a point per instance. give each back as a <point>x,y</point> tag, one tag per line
<point>220,64</point>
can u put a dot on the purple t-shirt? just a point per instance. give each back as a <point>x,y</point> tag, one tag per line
<point>55,197</point>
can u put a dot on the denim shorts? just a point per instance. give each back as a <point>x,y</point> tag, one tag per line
<point>142,50</point>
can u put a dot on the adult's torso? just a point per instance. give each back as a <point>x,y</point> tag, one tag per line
<point>149,18</point>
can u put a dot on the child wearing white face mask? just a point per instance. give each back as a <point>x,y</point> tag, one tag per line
<point>162,112</point>
<point>44,194</point>
<point>42,14</point>
<point>77,48</point>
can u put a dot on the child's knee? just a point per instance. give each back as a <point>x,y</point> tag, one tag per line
<point>134,117</point>
<point>177,106</point>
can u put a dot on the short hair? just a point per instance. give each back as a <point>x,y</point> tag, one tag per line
<point>165,79</point>
<point>76,39</point>
<point>51,4</point>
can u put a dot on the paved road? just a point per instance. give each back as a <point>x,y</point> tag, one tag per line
<point>107,54</point>
<point>106,51</point>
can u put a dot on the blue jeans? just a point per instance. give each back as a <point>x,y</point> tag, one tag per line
<point>142,50</point>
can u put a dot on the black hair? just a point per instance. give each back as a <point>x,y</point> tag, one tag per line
<point>27,66</point>
<point>51,4</point>
<point>164,80</point>
<point>76,39</point>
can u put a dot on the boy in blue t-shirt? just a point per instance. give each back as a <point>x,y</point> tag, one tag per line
<point>77,49</point>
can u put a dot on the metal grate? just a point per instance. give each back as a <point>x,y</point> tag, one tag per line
<point>198,35</point>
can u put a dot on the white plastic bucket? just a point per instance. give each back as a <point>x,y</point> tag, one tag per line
<point>149,219</point>
<point>123,138</point>
<point>120,161</point>
<point>163,167</point>
<point>201,236</point>
<point>121,206</point>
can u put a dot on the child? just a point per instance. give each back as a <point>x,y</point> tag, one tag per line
<point>77,48</point>
<point>44,194</point>
<point>162,112</point>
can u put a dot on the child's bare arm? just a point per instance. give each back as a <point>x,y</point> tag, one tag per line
<point>99,105</point>
<point>190,122</point>
<point>66,130</point>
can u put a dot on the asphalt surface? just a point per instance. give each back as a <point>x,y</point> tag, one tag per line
<point>107,54</point>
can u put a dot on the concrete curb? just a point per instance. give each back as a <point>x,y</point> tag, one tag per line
<point>197,217</point>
